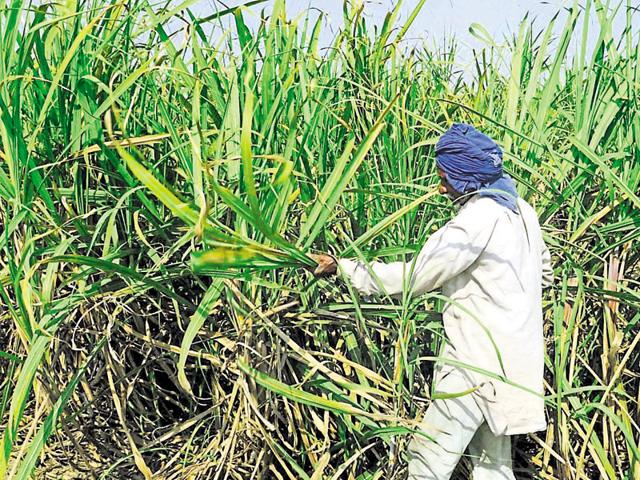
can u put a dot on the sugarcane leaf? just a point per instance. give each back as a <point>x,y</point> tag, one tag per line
<point>296,394</point>
<point>178,207</point>
<point>387,222</point>
<point>196,321</point>
<point>336,184</point>
<point>49,426</point>
<point>607,171</point>
<point>214,260</point>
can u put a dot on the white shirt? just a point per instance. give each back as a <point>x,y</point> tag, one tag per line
<point>491,263</point>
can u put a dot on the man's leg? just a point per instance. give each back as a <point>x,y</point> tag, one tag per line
<point>491,455</point>
<point>452,423</point>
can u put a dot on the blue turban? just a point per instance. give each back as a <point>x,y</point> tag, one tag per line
<point>472,162</point>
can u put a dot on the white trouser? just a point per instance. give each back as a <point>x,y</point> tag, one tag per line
<point>454,424</point>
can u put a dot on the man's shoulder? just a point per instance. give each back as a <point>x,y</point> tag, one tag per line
<point>528,211</point>
<point>478,205</point>
<point>479,211</point>
<point>482,206</point>
<point>482,210</point>
<point>524,205</point>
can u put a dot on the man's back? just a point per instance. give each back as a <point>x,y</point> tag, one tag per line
<point>489,262</point>
<point>493,320</point>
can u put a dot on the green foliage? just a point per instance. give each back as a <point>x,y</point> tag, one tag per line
<point>161,189</point>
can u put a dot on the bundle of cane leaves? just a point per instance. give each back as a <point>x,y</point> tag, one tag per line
<point>231,248</point>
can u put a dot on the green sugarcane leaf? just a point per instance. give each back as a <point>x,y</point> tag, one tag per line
<point>327,198</point>
<point>336,184</point>
<point>210,297</point>
<point>214,260</point>
<point>110,267</point>
<point>49,425</point>
<point>608,173</point>
<point>297,394</point>
<point>179,208</point>
<point>387,222</point>
<point>247,213</point>
<point>21,393</point>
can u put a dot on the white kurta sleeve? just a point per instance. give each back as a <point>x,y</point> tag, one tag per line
<point>386,278</point>
<point>547,270</point>
<point>447,253</point>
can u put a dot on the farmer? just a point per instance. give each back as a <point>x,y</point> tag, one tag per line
<point>491,262</point>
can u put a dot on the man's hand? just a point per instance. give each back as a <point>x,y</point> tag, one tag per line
<point>327,264</point>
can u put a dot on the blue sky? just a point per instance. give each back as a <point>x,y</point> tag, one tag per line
<point>438,18</point>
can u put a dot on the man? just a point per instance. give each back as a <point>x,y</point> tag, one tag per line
<point>491,262</point>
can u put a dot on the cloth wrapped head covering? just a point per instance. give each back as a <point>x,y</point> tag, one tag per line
<point>472,162</point>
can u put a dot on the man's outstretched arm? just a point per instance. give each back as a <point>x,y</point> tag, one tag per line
<point>447,253</point>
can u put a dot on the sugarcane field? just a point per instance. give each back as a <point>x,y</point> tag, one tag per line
<point>320,239</point>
